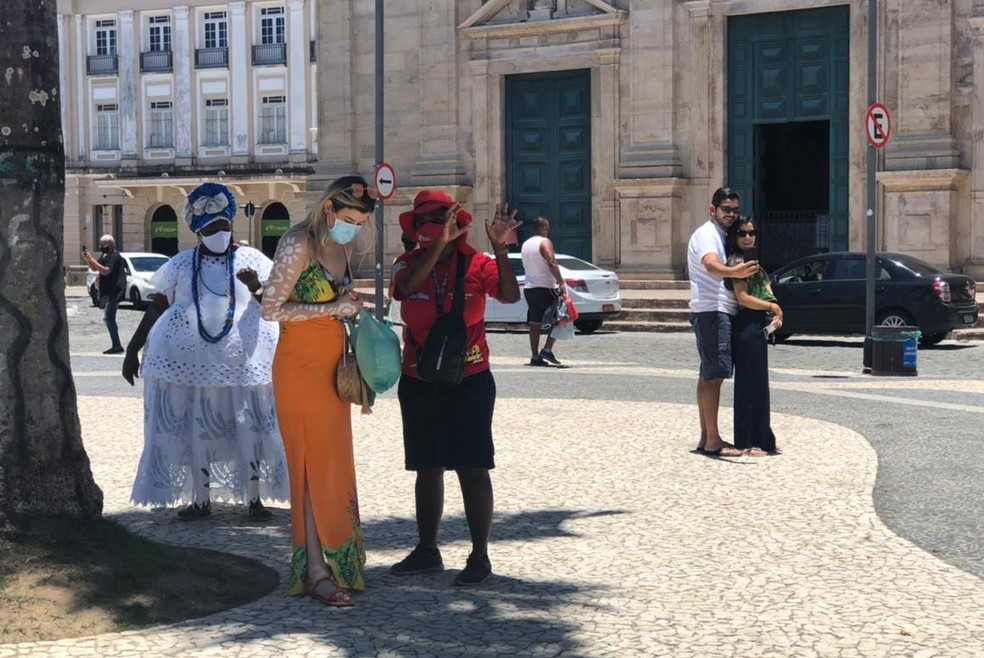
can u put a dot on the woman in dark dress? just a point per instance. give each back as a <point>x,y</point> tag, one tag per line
<point>758,313</point>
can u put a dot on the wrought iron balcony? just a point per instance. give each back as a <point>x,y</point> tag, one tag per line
<point>211,58</point>
<point>156,61</point>
<point>102,65</point>
<point>270,54</point>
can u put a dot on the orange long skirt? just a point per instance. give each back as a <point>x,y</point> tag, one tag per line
<point>317,430</point>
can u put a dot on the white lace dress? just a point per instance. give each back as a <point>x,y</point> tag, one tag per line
<point>210,428</point>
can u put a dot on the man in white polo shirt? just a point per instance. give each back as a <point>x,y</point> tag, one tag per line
<point>712,307</point>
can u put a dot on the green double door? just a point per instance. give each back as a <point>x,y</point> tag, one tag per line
<point>548,155</point>
<point>788,112</point>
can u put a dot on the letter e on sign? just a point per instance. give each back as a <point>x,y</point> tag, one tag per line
<point>878,125</point>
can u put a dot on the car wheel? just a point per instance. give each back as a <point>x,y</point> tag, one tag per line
<point>135,299</point>
<point>895,318</point>
<point>932,339</point>
<point>94,295</point>
<point>588,326</point>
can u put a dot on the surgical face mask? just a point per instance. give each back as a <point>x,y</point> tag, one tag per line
<point>104,248</point>
<point>343,232</point>
<point>218,242</point>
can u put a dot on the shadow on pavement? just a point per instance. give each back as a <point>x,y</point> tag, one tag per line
<point>407,615</point>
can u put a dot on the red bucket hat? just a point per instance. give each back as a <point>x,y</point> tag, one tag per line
<point>425,202</point>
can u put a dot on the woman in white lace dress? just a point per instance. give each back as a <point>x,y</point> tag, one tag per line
<point>210,427</point>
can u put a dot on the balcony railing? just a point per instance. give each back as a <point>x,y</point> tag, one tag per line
<point>270,54</point>
<point>211,58</point>
<point>314,52</point>
<point>102,65</point>
<point>156,61</point>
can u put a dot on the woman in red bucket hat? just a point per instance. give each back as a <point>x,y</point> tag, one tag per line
<point>449,426</point>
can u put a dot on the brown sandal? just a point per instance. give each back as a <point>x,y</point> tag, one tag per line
<point>339,598</point>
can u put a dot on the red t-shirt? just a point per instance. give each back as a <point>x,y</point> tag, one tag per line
<point>419,310</point>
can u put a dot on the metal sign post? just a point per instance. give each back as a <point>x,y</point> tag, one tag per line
<point>380,242</point>
<point>869,288</point>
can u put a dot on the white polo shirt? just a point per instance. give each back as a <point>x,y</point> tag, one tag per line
<point>707,292</point>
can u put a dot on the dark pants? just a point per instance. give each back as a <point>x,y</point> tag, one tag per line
<point>110,304</point>
<point>749,350</point>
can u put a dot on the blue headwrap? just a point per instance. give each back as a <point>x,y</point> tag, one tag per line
<point>209,202</point>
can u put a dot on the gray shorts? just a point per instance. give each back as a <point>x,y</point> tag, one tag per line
<point>713,330</point>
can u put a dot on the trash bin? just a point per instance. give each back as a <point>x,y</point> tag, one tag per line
<point>894,350</point>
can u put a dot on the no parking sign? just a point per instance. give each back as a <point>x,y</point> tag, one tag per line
<point>878,125</point>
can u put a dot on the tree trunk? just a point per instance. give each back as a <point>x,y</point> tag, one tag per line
<point>44,470</point>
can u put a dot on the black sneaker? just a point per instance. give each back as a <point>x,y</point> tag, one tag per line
<point>115,350</point>
<point>477,570</point>
<point>537,360</point>
<point>420,560</point>
<point>549,356</point>
<point>195,511</point>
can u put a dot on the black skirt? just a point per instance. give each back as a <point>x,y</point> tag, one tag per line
<point>448,426</point>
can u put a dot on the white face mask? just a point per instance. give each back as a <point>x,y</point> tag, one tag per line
<point>218,242</point>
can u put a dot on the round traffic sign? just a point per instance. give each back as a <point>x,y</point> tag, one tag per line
<point>878,125</point>
<point>385,180</point>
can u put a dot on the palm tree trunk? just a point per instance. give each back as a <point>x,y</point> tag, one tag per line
<point>44,469</point>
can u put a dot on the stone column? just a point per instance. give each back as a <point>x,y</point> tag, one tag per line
<point>82,106</point>
<point>335,107</point>
<point>184,95</point>
<point>128,109</point>
<point>647,89</point>
<point>438,161</point>
<point>918,45</point>
<point>701,112</point>
<point>64,70</point>
<point>974,264</point>
<point>921,178</point>
<point>297,56</point>
<point>240,96</point>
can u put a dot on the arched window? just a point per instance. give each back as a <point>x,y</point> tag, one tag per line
<point>275,222</point>
<point>164,231</point>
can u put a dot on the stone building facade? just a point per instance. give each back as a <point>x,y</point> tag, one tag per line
<point>159,98</point>
<point>614,118</point>
<point>618,118</point>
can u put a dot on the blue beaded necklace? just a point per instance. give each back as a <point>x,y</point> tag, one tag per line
<point>196,264</point>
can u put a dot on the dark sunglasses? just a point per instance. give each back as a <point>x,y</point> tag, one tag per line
<point>746,234</point>
<point>727,210</point>
<point>358,190</point>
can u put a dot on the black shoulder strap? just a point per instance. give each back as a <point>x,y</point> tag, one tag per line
<point>458,303</point>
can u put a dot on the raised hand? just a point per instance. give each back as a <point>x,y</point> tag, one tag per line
<point>250,278</point>
<point>500,226</point>
<point>451,230</point>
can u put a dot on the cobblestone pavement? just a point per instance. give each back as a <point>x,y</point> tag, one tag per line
<point>611,538</point>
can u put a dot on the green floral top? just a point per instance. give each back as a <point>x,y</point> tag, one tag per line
<point>316,286</point>
<point>758,283</point>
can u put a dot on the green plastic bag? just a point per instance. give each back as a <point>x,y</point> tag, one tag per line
<point>377,350</point>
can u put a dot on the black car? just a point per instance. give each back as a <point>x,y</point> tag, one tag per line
<point>825,294</point>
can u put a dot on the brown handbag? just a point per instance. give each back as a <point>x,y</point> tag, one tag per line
<point>349,383</point>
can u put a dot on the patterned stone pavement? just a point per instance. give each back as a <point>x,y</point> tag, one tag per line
<point>611,538</point>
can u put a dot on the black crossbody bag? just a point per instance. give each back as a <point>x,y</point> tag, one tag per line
<point>442,359</point>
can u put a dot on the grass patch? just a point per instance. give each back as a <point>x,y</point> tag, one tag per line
<point>61,580</point>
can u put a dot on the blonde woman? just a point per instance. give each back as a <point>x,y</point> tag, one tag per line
<point>309,294</point>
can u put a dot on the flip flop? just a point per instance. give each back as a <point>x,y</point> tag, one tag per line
<point>720,452</point>
<point>339,598</point>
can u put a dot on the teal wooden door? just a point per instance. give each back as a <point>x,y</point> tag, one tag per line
<point>788,97</point>
<point>548,155</point>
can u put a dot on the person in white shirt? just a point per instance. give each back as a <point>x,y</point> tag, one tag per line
<point>712,307</point>
<point>544,284</point>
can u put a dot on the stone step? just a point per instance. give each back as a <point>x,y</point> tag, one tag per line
<point>654,315</point>
<point>654,302</point>
<point>644,325</point>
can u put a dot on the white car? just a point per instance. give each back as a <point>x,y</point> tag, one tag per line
<point>141,267</point>
<point>594,291</point>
